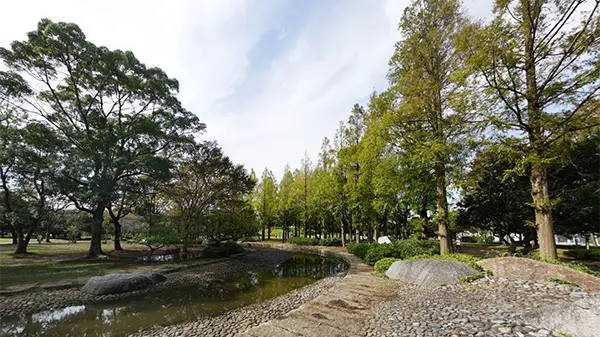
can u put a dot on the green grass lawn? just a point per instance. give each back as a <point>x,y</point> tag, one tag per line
<point>29,273</point>
<point>55,248</point>
<point>61,259</point>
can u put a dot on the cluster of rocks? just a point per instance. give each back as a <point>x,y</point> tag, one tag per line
<point>234,322</point>
<point>476,309</point>
<point>203,276</point>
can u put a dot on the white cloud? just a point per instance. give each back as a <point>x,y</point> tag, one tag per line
<point>338,57</point>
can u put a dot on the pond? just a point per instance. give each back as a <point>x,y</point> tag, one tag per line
<point>122,317</point>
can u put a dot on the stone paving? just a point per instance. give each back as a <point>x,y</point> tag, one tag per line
<point>476,309</point>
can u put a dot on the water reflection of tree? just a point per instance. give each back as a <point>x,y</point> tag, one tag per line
<point>175,305</point>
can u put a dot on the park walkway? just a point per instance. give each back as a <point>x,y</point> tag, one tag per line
<point>341,311</point>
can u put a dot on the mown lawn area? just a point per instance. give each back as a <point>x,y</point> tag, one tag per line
<point>62,259</point>
<point>31,273</point>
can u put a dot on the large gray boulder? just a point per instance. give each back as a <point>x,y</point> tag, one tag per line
<point>580,318</point>
<point>120,283</point>
<point>430,271</point>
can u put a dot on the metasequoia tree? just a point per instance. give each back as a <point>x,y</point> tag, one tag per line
<point>427,76</point>
<point>540,61</point>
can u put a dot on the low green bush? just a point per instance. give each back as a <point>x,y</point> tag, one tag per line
<point>232,247</point>
<point>378,252</point>
<point>359,249</point>
<point>215,251</point>
<point>470,239</point>
<point>384,264</point>
<point>224,249</point>
<point>402,249</point>
<point>413,247</point>
<point>302,241</point>
<point>584,254</point>
<point>485,239</point>
<point>464,258</point>
<point>330,242</point>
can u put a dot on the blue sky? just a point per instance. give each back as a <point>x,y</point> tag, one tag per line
<point>270,78</point>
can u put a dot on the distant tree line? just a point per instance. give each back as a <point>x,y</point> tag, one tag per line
<point>503,115</point>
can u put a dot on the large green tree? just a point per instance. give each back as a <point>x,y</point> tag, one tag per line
<point>490,202</point>
<point>266,202</point>
<point>12,89</point>
<point>540,61</point>
<point>207,195</point>
<point>287,215</point>
<point>433,91</point>
<point>117,116</point>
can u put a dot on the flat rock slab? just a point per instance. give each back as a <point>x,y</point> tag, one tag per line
<point>430,271</point>
<point>580,318</point>
<point>523,269</point>
<point>120,283</point>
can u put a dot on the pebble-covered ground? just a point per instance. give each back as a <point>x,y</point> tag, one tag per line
<point>35,301</point>
<point>237,321</point>
<point>476,309</point>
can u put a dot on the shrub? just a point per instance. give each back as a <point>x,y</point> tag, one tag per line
<point>464,258</point>
<point>379,252</point>
<point>330,242</point>
<point>485,239</point>
<point>470,239</point>
<point>384,264</point>
<point>215,251</point>
<point>359,249</point>
<point>302,241</point>
<point>584,254</point>
<point>232,247</point>
<point>413,247</point>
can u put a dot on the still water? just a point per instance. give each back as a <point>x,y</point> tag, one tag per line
<point>121,317</point>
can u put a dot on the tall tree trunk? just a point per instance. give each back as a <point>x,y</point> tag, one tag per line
<point>118,229</point>
<point>263,231</point>
<point>96,242</point>
<point>48,232</point>
<point>342,232</point>
<point>357,235</point>
<point>269,231</point>
<point>442,206</point>
<point>538,177</point>
<point>543,214</point>
<point>14,234</point>
<point>423,216</point>
<point>23,241</point>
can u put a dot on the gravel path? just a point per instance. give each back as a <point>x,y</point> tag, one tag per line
<point>35,301</point>
<point>475,309</point>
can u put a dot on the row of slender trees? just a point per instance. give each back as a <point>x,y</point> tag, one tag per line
<point>524,86</point>
<point>85,127</point>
